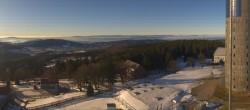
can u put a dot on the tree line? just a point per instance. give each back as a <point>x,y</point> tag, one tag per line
<point>165,54</point>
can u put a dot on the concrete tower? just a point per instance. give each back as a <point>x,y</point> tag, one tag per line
<point>240,39</point>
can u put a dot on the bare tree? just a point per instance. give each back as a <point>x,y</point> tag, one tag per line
<point>121,70</point>
<point>80,76</point>
<point>191,61</point>
<point>172,65</point>
<point>5,76</point>
<point>202,58</point>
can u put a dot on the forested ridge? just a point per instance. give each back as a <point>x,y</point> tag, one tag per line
<point>158,56</point>
<point>104,67</point>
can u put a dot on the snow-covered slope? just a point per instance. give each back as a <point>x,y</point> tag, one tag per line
<point>185,79</point>
<point>162,91</point>
<point>137,104</point>
<point>147,96</point>
<point>96,104</point>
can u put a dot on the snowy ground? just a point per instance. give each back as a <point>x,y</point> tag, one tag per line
<point>161,91</point>
<point>137,104</point>
<point>1,84</point>
<point>44,101</point>
<point>143,96</point>
<point>25,91</point>
<point>98,102</point>
<point>185,79</point>
<point>95,104</point>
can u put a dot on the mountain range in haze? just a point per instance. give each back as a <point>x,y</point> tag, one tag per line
<point>108,38</point>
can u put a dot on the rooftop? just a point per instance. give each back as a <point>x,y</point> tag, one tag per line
<point>220,51</point>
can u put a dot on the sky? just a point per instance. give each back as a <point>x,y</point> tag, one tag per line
<point>60,18</point>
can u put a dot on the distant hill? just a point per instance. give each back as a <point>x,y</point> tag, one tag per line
<point>118,46</point>
<point>16,39</point>
<point>51,43</point>
<point>6,46</point>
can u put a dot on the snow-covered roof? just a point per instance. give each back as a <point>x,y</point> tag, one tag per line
<point>220,51</point>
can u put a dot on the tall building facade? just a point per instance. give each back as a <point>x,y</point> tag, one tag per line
<point>238,54</point>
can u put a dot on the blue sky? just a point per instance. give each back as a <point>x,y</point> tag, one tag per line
<point>57,18</point>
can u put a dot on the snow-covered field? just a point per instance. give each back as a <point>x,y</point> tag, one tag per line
<point>185,79</point>
<point>27,91</point>
<point>54,99</point>
<point>162,91</point>
<point>158,93</point>
<point>98,102</point>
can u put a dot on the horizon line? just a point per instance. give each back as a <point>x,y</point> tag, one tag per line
<point>180,35</point>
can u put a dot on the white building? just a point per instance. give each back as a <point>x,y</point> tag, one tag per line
<point>220,54</point>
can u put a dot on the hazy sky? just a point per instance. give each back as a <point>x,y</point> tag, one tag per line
<point>110,17</point>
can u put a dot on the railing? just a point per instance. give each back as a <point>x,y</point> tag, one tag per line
<point>57,103</point>
<point>123,102</point>
<point>60,102</point>
<point>41,97</point>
